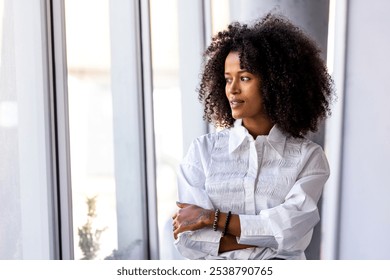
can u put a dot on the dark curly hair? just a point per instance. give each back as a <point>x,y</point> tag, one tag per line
<point>295,85</point>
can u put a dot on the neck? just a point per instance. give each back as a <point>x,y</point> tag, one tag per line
<point>258,127</point>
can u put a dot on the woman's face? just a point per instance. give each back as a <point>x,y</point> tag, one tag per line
<point>243,90</point>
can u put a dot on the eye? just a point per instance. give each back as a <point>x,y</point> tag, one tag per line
<point>228,80</point>
<point>245,79</point>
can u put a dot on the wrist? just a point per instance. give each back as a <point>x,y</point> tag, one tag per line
<point>215,220</point>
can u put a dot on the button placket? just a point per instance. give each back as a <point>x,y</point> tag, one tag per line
<point>251,179</point>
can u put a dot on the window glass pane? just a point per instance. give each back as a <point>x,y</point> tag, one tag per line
<point>25,170</point>
<point>106,159</point>
<point>167,113</point>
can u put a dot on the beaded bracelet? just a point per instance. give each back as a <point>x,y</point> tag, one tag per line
<point>226,223</point>
<point>216,216</point>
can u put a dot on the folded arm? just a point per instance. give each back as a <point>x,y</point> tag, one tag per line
<point>190,217</point>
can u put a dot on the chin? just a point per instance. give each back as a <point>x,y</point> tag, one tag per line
<point>236,116</point>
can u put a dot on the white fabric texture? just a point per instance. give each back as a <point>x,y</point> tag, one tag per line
<point>272,182</point>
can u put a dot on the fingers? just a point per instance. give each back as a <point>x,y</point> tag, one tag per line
<point>174,228</point>
<point>177,227</point>
<point>182,205</point>
<point>175,232</point>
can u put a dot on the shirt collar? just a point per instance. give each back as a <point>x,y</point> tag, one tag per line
<point>276,138</point>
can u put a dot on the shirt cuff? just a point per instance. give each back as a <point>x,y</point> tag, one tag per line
<point>256,230</point>
<point>198,244</point>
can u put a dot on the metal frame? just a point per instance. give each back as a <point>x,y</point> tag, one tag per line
<point>49,106</point>
<point>150,159</point>
<point>60,127</point>
<point>334,131</point>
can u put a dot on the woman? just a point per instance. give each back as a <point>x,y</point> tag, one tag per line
<point>250,190</point>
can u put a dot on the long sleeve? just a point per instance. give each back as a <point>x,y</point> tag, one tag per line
<point>191,179</point>
<point>288,224</point>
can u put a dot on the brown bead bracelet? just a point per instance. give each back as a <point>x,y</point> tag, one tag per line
<point>216,216</point>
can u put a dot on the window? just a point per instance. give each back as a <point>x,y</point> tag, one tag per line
<point>72,105</point>
<point>106,130</point>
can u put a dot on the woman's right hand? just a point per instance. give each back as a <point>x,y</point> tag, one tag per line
<point>191,217</point>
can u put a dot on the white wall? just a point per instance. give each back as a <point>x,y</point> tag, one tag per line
<point>365,184</point>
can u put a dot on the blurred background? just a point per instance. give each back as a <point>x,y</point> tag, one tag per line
<point>98,106</point>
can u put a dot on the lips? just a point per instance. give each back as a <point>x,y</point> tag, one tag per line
<point>234,103</point>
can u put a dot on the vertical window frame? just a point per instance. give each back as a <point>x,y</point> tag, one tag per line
<point>62,185</point>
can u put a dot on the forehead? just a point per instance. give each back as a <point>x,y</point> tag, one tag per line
<point>232,62</point>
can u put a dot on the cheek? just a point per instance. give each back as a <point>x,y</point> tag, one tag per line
<point>256,94</point>
<point>257,101</point>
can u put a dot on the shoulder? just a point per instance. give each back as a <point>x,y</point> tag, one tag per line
<point>203,147</point>
<point>305,145</point>
<point>209,140</point>
<point>313,158</point>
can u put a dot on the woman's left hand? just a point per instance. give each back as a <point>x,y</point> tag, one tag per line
<point>190,217</point>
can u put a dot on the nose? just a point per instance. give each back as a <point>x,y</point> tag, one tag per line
<point>234,88</point>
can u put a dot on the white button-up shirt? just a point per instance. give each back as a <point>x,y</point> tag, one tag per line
<point>272,182</point>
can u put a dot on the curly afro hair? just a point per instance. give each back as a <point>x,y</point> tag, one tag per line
<point>295,85</point>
